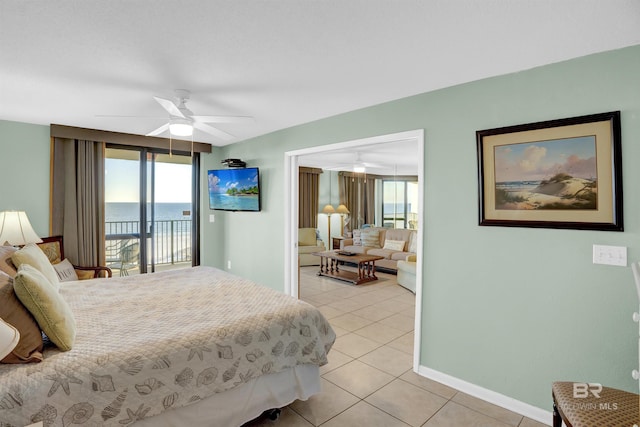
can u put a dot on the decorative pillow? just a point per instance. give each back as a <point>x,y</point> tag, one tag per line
<point>65,271</point>
<point>357,237</point>
<point>51,250</point>
<point>29,348</point>
<point>413,243</point>
<point>6,265</point>
<point>85,274</point>
<point>394,245</point>
<point>371,238</point>
<point>31,254</point>
<point>306,237</point>
<point>43,301</point>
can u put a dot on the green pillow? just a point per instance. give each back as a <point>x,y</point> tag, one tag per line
<point>47,306</point>
<point>31,254</point>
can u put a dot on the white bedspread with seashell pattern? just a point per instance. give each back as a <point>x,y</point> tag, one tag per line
<point>149,343</point>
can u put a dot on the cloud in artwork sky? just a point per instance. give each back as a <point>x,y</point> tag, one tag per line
<point>532,157</point>
<point>213,181</point>
<point>541,160</point>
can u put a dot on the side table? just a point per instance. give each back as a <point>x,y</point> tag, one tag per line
<point>335,242</point>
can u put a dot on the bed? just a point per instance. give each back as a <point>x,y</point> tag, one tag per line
<point>178,348</point>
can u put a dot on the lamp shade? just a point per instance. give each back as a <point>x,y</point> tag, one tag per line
<point>342,209</point>
<point>328,209</point>
<point>9,337</point>
<point>16,230</point>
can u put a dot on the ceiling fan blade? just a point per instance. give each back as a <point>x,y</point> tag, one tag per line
<point>375,165</point>
<point>117,116</point>
<point>223,119</point>
<point>158,131</point>
<point>213,131</point>
<point>170,107</point>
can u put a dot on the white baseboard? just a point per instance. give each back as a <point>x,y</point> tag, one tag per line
<point>524,409</point>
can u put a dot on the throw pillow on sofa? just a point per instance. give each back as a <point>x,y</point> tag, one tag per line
<point>357,237</point>
<point>394,245</point>
<point>371,238</point>
<point>413,242</point>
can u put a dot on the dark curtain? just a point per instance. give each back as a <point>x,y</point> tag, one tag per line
<point>308,196</point>
<point>77,199</point>
<point>357,193</point>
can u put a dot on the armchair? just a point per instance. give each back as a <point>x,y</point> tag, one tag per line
<point>308,243</point>
<point>54,250</point>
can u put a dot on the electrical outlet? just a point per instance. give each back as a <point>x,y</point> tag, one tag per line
<point>610,255</point>
<point>229,264</point>
<point>212,218</point>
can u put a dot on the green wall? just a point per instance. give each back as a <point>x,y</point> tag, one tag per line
<point>508,309</point>
<point>24,162</point>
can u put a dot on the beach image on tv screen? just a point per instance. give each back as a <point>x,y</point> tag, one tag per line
<point>234,189</point>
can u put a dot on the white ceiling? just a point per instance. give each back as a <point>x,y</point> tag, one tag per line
<point>389,158</point>
<point>284,62</point>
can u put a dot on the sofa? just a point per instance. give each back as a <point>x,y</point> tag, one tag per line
<point>308,242</point>
<point>407,273</point>
<point>394,244</point>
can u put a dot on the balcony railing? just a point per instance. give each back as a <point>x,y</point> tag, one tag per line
<point>171,242</point>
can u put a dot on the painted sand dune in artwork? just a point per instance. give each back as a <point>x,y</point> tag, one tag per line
<point>562,192</point>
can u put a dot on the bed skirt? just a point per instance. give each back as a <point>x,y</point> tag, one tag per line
<point>243,403</point>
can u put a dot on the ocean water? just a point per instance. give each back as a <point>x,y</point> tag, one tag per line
<point>115,212</point>
<point>234,203</point>
<point>512,186</point>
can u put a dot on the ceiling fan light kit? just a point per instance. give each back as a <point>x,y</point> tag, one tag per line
<point>181,127</point>
<point>359,169</point>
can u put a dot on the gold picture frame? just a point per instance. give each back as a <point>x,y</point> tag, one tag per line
<point>564,173</point>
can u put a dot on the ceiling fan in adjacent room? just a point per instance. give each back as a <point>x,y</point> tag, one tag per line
<point>181,121</point>
<point>357,165</point>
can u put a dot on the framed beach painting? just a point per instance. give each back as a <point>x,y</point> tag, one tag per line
<point>562,173</point>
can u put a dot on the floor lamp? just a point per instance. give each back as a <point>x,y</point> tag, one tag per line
<point>328,210</point>
<point>342,210</point>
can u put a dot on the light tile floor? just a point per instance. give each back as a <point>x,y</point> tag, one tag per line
<point>369,379</point>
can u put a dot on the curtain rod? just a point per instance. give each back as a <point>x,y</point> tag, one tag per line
<point>71,132</point>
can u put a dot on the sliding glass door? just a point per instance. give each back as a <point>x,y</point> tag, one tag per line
<point>151,202</point>
<point>400,203</point>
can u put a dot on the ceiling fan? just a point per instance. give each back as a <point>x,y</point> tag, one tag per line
<point>357,165</point>
<point>182,121</point>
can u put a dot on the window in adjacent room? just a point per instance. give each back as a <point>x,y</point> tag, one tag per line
<point>400,203</point>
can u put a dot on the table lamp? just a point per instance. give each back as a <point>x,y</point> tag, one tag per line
<point>9,338</point>
<point>16,230</point>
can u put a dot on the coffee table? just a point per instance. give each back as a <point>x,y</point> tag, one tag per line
<point>330,267</point>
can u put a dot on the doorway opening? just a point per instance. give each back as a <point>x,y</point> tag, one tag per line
<point>292,270</point>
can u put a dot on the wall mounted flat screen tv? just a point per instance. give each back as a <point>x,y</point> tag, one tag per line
<point>234,189</point>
